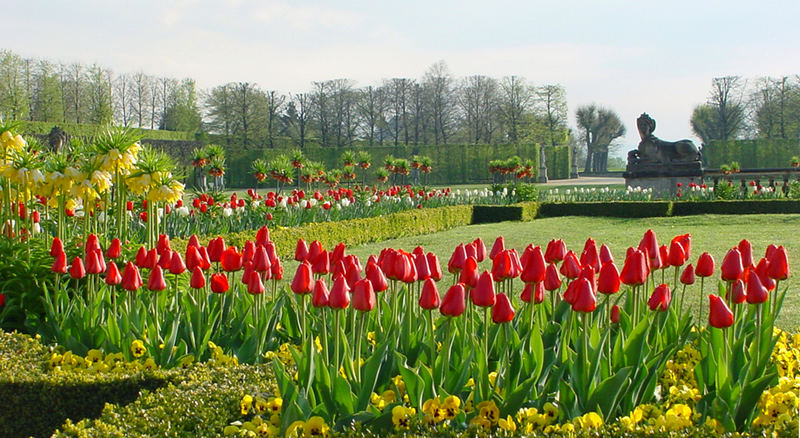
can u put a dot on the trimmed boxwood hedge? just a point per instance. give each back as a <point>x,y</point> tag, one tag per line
<point>523,211</point>
<point>36,400</point>
<point>198,401</point>
<point>607,209</point>
<point>776,206</point>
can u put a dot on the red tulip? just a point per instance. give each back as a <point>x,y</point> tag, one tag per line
<point>649,245</point>
<point>156,281</point>
<point>404,268</point>
<point>151,260</point>
<point>338,253</point>
<point>57,247</point>
<point>585,300</point>
<point>471,251</point>
<point>216,247</point>
<point>778,264</point>
<point>660,298</point>
<point>434,266</point>
<point>206,260</point>
<point>589,255</point>
<point>457,260</point>
<point>261,261</point>
<point>635,270</point>
<point>762,269</point>
<point>605,255</point>
<point>571,267</point>
<point>502,266</point>
<point>454,301</point>
<point>746,250</point>
<point>339,298</point>
<point>141,257</point>
<point>469,275</point>
<point>685,240</point>
<point>76,269</point>
<point>555,252</point>
<point>277,269</point>
<point>92,244</point>
<point>756,292</point>
<point>498,247</point>
<point>113,276</point>
<point>321,263</point>
<point>314,251</point>
<point>193,241</point>
<point>429,298</point>
<point>93,263</point>
<point>363,296</point>
<point>176,265</point>
<point>193,258</point>
<point>249,251</point>
<point>738,293</point>
<point>319,296</point>
<point>705,265</point>
<point>254,284</point>
<point>552,280</point>
<point>533,271</point>
<point>527,292</point>
<point>421,265</point>
<point>375,276</point>
<point>272,253</point>
<point>608,279</point>
<point>231,260</point>
<point>587,272</point>
<point>164,259</point>
<point>677,255</point>
<point>60,263</point>
<point>732,268</point>
<point>247,272</point>
<point>771,248</point>
<point>483,294</point>
<point>480,249</point>
<point>301,284</point>
<point>719,314</point>
<point>687,276</point>
<point>114,249</point>
<point>219,283</point>
<point>615,314</point>
<point>131,279</point>
<point>198,280</point>
<point>262,236</point>
<point>502,311</point>
<point>163,243</point>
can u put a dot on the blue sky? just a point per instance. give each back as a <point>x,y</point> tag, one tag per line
<point>633,57</point>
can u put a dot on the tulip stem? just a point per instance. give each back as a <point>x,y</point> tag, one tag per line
<point>324,330</point>
<point>486,335</point>
<point>303,332</point>
<point>700,318</point>
<point>432,337</point>
<point>336,321</point>
<point>359,334</point>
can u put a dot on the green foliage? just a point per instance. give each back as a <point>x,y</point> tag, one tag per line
<point>559,161</point>
<point>772,153</point>
<point>608,209</point>
<point>24,272</point>
<point>37,400</point>
<point>90,130</point>
<point>524,211</point>
<point>735,207</point>
<point>794,190</point>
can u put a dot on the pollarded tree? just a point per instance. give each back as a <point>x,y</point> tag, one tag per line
<point>600,127</point>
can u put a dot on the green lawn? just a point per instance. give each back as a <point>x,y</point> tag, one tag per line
<point>713,233</point>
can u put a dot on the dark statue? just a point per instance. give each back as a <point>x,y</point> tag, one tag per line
<point>656,157</point>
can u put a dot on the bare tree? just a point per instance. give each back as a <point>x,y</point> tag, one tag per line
<point>122,98</point>
<point>301,102</point>
<point>141,99</point>
<point>438,86</point>
<point>515,99</point>
<point>477,98</point>
<point>275,103</point>
<point>371,108</point>
<point>552,108</point>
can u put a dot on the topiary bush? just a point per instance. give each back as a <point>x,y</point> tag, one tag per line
<point>607,209</point>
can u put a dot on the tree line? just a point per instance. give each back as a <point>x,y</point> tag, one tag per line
<point>437,108</point>
<point>737,108</point>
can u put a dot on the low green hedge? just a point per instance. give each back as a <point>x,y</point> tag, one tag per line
<point>606,209</point>
<point>37,400</point>
<point>523,211</point>
<point>359,231</point>
<point>198,401</point>
<point>775,206</point>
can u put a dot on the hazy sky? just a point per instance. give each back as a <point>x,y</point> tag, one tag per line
<point>645,56</point>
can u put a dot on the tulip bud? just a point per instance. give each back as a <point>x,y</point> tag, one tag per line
<point>254,284</point>
<point>571,267</point>
<point>469,275</point>
<point>434,266</point>
<point>113,276</point>
<point>778,268</point>
<point>534,270</point>
<point>732,268</point>
<point>338,298</point>
<point>429,298</point>
<point>131,279</point>
<point>608,280</point>
<point>705,265</point>
<point>219,283</point>
<point>687,276</point>
<point>76,269</point>
<point>114,250</point>
<point>454,301</point>
<point>375,276</point>
<point>60,263</point>
<point>502,311</point>
<point>660,298</point>
<point>301,251</point>
<point>57,247</point>
<point>176,265</point>
<point>498,247</point>
<point>480,250</point>
<point>457,260</point>
<point>552,280</point>
<point>198,280</point>
<point>231,260</point>
<point>719,314</point>
<point>156,281</point>
<point>319,296</point>
<point>756,292</point>
<point>363,296</point>
<point>585,300</point>
<point>483,294</point>
<point>615,314</point>
<point>301,284</point>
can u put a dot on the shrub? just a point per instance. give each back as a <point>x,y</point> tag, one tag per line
<point>609,209</point>
<point>37,400</point>
<point>524,211</point>
<point>736,207</point>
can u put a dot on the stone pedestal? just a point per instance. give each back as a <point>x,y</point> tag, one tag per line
<point>664,186</point>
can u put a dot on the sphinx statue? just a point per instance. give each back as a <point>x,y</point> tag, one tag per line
<point>653,150</point>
